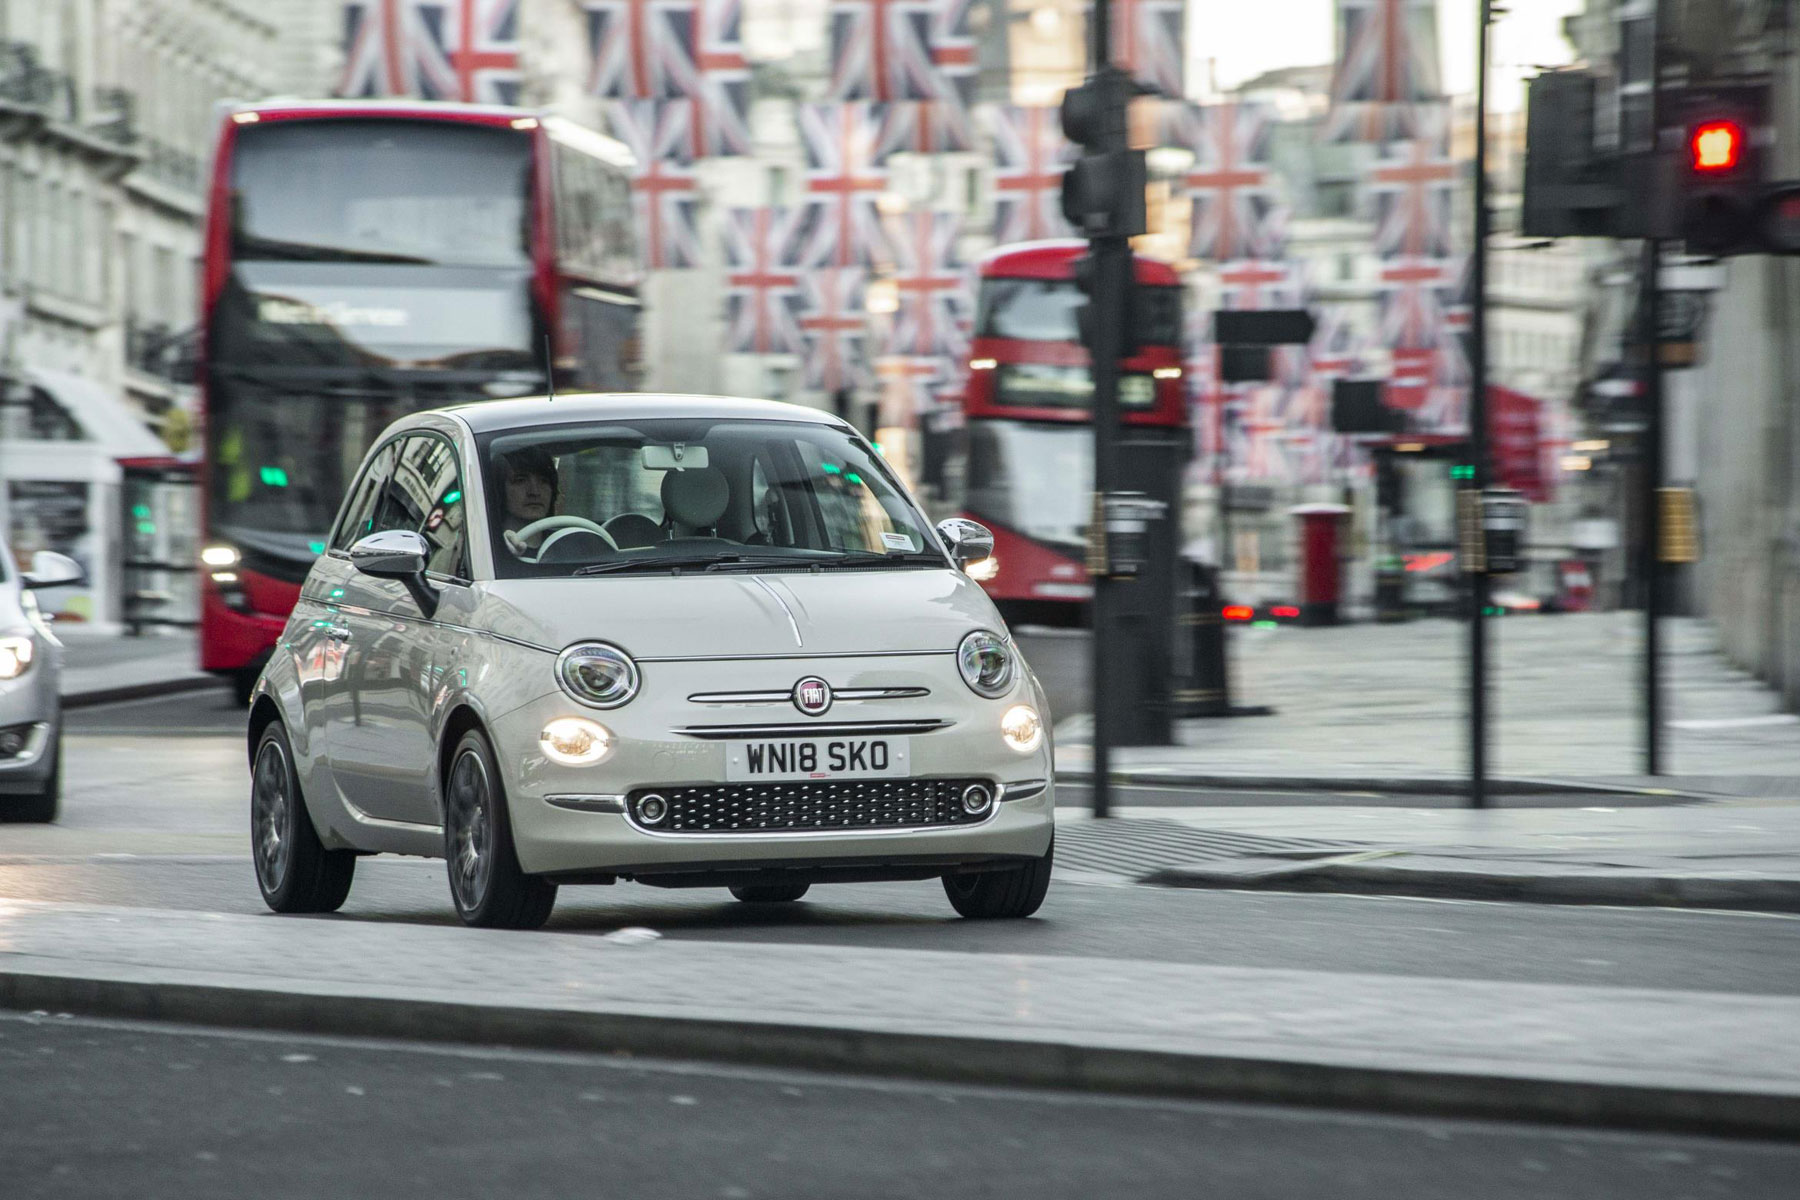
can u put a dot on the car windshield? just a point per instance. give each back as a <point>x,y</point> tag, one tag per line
<point>665,495</point>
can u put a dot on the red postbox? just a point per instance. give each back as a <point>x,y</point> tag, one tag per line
<point>1321,561</point>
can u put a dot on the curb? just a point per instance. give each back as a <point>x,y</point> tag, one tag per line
<point>1018,1062</point>
<point>92,697</point>
<point>1380,879</point>
<point>1413,785</point>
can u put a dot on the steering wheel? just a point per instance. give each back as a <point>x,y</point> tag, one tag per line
<point>518,541</point>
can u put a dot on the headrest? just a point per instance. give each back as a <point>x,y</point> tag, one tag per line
<point>695,498</point>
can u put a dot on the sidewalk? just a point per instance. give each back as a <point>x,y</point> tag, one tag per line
<point>1382,707</point>
<point>1594,1054</point>
<point>1718,855</point>
<point>102,668</point>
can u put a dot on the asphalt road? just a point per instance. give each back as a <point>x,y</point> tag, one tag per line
<point>275,1116</point>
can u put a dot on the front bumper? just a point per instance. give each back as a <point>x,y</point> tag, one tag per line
<point>31,702</point>
<point>568,822</point>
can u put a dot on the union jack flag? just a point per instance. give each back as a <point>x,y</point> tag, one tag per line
<point>1387,66</point>
<point>912,385</point>
<point>1412,309</point>
<point>1412,189</point>
<point>1259,283</point>
<point>883,50</point>
<point>1147,41</point>
<point>761,298</point>
<point>835,328</point>
<point>665,193</point>
<point>434,49</point>
<point>641,49</point>
<point>842,181</point>
<point>932,285</point>
<point>1029,156</point>
<point>1236,210</point>
<point>720,82</point>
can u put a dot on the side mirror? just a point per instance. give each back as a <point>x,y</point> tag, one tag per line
<point>397,554</point>
<point>967,541</point>
<point>50,569</point>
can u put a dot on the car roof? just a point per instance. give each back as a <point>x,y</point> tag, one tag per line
<point>488,416</point>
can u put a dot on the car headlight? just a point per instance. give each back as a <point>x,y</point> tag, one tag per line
<point>597,674</point>
<point>986,663</point>
<point>1022,728</point>
<point>575,741</point>
<point>16,654</point>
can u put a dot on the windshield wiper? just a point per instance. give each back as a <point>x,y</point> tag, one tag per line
<point>708,562</point>
<point>874,558</point>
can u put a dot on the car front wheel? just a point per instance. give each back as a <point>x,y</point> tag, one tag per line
<point>1014,892</point>
<point>294,870</point>
<point>486,882</point>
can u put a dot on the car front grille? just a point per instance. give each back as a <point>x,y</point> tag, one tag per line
<point>812,806</point>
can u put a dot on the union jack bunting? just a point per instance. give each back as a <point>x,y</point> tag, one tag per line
<point>1236,209</point>
<point>720,82</point>
<point>912,385</point>
<point>1147,41</point>
<point>842,181</point>
<point>665,193</point>
<point>1259,283</point>
<point>641,49</point>
<point>835,328</point>
<point>761,297</point>
<point>1030,154</point>
<point>1387,65</point>
<point>924,127</point>
<point>1412,188</point>
<point>1413,301</point>
<point>1336,350</point>
<point>883,50</point>
<point>434,49</point>
<point>932,285</point>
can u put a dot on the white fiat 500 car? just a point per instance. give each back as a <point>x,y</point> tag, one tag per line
<point>687,641</point>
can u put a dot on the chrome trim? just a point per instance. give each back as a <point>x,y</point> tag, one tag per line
<point>602,804</point>
<point>793,623</point>
<point>795,729</point>
<point>1025,789</point>
<point>808,835</point>
<point>363,818</point>
<point>803,654</point>
<point>637,677</point>
<point>774,697</point>
<point>983,793</point>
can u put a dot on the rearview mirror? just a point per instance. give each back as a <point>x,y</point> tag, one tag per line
<point>397,554</point>
<point>50,569</point>
<point>674,456</point>
<point>967,541</point>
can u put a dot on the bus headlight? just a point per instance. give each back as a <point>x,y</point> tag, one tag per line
<point>220,556</point>
<point>597,674</point>
<point>575,741</point>
<point>16,654</point>
<point>986,663</point>
<point>1022,728</point>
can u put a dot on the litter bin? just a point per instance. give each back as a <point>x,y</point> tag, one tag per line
<point>1321,564</point>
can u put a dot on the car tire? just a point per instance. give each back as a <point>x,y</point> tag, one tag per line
<point>487,885</point>
<point>294,870</point>
<point>40,807</point>
<point>771,893</point>
<point>1012,893</point>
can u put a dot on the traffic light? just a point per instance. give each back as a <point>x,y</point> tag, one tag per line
<point>1721,191</point>
<point>1103,190</point>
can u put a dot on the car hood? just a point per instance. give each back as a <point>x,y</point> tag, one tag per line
<point>739,615</point>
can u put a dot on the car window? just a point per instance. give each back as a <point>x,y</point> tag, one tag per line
<point>355,521</point>
<point>426,480</point>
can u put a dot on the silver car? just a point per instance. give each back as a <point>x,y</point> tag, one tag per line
<point>686,641</point>
<point>30,689</point>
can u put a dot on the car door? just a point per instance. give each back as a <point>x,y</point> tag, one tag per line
<point>382,753</point>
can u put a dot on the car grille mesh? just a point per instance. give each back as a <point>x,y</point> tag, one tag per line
<point>805,805</point>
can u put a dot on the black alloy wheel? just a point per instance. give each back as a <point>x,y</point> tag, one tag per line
<point>489,888</point>
<point>1011,893</point>
<point>294,870</point>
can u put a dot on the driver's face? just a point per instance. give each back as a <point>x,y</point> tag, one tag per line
<point>527,496</point>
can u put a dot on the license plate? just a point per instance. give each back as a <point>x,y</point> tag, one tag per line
<point>816,758</point>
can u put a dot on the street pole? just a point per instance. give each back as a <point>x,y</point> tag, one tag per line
<point>1650,475</point>
<point>1112,281</point>
<point>1479,587</point>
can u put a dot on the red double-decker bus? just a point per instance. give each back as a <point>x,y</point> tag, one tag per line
<point>365,259</point>
<point>1027,403</point>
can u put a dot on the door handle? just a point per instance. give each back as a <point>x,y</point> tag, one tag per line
<point>338,633</point>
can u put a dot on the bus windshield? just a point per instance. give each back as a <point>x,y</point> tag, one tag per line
<point>1043,310</point>
<point>1033,478</point>
<point>381,191</point>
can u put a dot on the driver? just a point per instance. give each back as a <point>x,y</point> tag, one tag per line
<point>530,488</point>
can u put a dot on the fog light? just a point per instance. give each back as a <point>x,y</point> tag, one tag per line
<point>11,742</point>
<point>1022,728</point>
<point>652,809</point>
<point>976,798</point>
<point>575,741</point>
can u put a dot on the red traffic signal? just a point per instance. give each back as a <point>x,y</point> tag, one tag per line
<point>1716,147</point>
